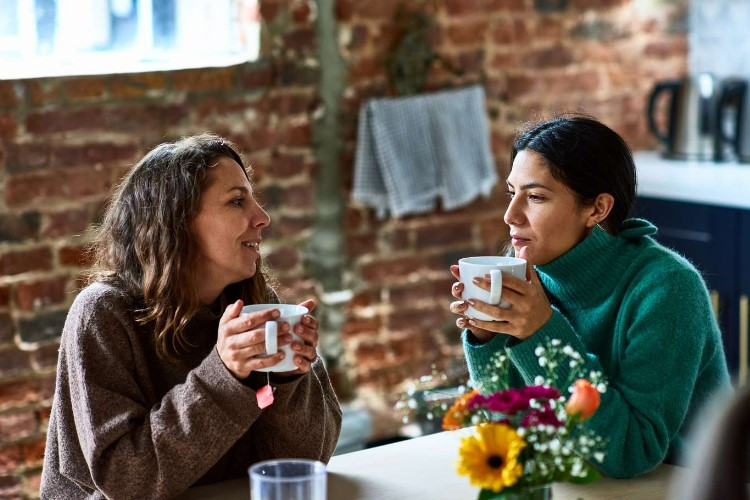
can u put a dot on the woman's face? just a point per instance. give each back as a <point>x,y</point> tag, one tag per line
<point>543,214</point>
<point>227,229</point>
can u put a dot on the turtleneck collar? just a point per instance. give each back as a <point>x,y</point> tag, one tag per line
<point>586,274</point>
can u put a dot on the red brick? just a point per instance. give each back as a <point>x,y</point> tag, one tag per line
<point>134,85</point>
<point>301,12</point>
<point>369,355</point>
<point>360,245</point>
<point>25,157</point>
<point>13,361</point>
<point>283,165</point>
<point>444,234</point>
<point>262,137</point>
<point>48,186</point>
<point>67,223</point>
<point>461,7</point>
<point>205,79</point>
<point>300,39</point>
<point>467,32</point>
<point>366,69</point>
<point>257,75</point>
<point>20,393</point>
<point>359,37</point>
<point>84,88</point>
<point>88,154</point>
<point>363,326</point>
<point>510,32</point>
<point>8,126</point>
<point>597,4</point>
<point>283,259</point>
<point>19,227</point>
<point>8,95</point>
<point>129,118</point>
<point>6,328</point>
<point>376,9</point>
<point>44,414</point>
<point>298,197</point>
<point>15,426</point>
<point>666,48</point>
<point>268,10</point>
<point>33,453</point>
<point>21,261</point>
<point>344,9</point>
<point>421,291</point>
<point>519,85</point>
<point>45,357</point>
<point>290,104</point>
<point>11,459</point>
<point>4,295</point>
<point>38,294</point>
<point>511,5</point>
<point>420,319</point>
<point>45,91</point>
<point>550,57</point>
<point>75,256</point>
<point>386,270</point>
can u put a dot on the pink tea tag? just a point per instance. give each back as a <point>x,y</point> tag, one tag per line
<point>265,396</point>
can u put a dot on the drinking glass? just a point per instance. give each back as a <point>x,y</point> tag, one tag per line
<point>288,479</point>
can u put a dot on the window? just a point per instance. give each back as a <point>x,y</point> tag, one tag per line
<point>77,37</point>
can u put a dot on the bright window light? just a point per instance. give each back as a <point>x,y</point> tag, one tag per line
<point>41,38</point>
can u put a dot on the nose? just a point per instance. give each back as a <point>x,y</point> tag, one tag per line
<point>259,217</point>
<point>513,215</point>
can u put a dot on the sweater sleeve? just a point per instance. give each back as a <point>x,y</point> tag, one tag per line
<point>137,450</point>
<point>668,327</point>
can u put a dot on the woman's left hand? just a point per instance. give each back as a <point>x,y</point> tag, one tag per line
<point>305,352</point>
<point>529,307</point>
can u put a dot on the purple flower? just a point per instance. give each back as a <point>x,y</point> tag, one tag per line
<point>545,416</point>
<point>540,392</point>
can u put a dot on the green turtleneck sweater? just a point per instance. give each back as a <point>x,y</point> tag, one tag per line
<point>641,314</point>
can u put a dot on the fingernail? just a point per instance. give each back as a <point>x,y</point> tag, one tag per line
<point>472,322</point>
<point>298,328</point>
<point>470,302</point>
<point>281,355</point>
<point>275,313</point>
<point>475,280</point>
<point>296,347</point>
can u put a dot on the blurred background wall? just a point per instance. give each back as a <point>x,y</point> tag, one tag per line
<point>66,141</point>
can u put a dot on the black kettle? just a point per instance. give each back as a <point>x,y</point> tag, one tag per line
<point>737,100</point>
<point>693,129</point>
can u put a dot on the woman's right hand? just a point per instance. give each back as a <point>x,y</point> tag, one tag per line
<point>239,341</point>
<point>459,307</point>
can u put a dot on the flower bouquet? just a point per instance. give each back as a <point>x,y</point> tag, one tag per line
<point>529,437</point>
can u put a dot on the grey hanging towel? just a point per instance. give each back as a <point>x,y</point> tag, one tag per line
<point>413,150</point>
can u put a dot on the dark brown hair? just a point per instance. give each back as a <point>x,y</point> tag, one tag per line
<point>145,245</point>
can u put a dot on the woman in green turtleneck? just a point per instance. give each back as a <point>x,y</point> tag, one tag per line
<point>636,311</point>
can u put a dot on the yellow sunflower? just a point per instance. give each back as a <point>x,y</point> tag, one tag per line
<point>490,459</point>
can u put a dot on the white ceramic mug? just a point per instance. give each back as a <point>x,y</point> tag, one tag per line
<point>288,313</point>
<point>495,266</point>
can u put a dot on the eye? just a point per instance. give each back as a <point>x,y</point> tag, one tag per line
<point>238,201</point>
<point>511,194</point>
<point>536,198</point>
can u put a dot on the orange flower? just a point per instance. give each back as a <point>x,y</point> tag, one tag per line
<point>454,417</point>
<point>584,401</point>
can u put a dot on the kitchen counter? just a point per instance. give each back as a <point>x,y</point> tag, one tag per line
<point>721,184</point>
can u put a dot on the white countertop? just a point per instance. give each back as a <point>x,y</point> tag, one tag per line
<point>723,184</point>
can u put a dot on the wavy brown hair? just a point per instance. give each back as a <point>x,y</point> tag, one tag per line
<point>145,245</point>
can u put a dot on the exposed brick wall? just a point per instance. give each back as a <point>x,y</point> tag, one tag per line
<point>64,142</point>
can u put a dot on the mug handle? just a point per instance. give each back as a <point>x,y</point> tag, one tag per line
<point>496,286</point>
<point>271,337</point>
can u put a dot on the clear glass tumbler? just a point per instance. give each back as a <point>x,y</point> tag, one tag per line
<point>288,479</point>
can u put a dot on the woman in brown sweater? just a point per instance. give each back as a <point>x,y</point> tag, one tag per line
<point>157,375</point>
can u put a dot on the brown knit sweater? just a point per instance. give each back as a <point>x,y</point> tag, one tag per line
<point>126,424</point>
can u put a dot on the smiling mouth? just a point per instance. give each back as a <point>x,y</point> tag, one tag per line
<point>253,245</point>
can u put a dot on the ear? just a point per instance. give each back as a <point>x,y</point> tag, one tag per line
<point>600,209</point>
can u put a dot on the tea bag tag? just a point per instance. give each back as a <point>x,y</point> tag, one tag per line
<point>265,394</point>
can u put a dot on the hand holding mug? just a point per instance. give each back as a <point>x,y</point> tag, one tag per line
<point>241,340</point>
<point>529,307</point>
<point>306,339</point>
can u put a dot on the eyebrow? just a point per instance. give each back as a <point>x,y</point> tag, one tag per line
<point>530,185</point>
<point>242,189</point>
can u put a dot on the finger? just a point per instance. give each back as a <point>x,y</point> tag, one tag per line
<point>257,337</point>
<point>231,312</point>
<point>458,307</point>
<point>309,321</point>
<point>483,283</point>
<point>517,285</point>
<point>309,304</point>
<point>462,322</point>
<point>457,289</point>
<point>499,314</point>
<point>492,326</point>
<point>306,351</point>
<point>531,274</point>
<point>250,321</point>
<point>303,365</point>
<point>308,335</point>
<point>258,363</point>
<point>455,272</point>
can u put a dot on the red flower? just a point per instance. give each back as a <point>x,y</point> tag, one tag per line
<point>540,392</point>
<point>584,401</point>
<point>509,402</point>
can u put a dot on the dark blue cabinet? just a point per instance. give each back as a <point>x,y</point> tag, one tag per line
<point>717,241</point>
